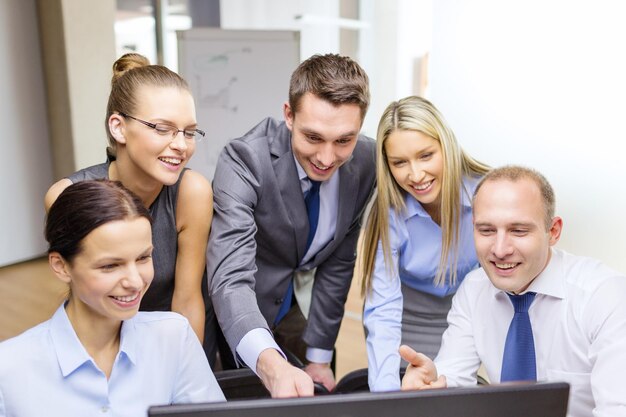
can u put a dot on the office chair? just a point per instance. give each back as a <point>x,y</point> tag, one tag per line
<point>238,384</point>
<point>356,381</point>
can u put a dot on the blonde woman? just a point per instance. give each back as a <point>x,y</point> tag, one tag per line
<point>417,245</point>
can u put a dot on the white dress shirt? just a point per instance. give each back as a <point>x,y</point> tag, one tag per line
<point>579,326</point>
<point>46,370</point>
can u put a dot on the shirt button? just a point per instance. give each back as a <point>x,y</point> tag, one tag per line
<point>278,301</point>
<point>105,409</point>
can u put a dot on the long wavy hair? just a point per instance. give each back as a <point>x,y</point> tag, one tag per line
<point>416,114</point>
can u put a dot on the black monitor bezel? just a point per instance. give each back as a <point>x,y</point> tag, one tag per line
<point>511,400</point>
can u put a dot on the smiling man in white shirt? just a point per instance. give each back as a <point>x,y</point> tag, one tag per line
<point>577,315</point>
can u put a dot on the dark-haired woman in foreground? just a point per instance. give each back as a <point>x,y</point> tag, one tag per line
<point>152,130</point>
<point>97,355</point>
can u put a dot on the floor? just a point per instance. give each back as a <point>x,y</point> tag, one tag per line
<point>30,293</point>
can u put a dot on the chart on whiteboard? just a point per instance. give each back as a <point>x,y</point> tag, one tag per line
<point>214,80</point>
<point>237,79</point>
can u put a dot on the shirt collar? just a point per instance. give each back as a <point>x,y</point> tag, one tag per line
<point>467,191</point>
<point>71,353</point>
<point>128,339</point>
<point>301,173</point>
<point>549,282</point>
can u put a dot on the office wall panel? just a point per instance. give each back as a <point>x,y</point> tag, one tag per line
<point>542,84</point>
<point>25,170</point>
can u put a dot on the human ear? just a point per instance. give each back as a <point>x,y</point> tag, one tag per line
<point>289,115</point>
<point>60,267</point>
<point>555,230</point>
<point>117,128</point>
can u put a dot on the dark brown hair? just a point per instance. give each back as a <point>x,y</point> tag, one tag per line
<point>84,206</point>
<point>130,72</point>
<point>334,78</point>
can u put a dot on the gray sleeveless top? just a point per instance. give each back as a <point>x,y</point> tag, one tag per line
<point>164,239</point>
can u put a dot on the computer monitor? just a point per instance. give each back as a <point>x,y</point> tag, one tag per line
<point>527,400</point>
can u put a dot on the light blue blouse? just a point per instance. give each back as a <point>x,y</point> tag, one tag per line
<point>415,243</point>
<point>46,371</point>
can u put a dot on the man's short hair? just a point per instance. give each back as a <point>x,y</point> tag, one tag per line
<point>331,77</point>
<point>515,173</point>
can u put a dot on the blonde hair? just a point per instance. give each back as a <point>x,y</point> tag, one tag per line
<point>130,73</point>
<point>417,114</point>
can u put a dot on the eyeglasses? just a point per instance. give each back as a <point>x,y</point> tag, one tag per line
<point>163,129</point>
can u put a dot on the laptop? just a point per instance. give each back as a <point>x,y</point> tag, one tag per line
<point>510,400</point>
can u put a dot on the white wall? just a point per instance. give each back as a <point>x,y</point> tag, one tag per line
<point>543,84</point>
<point>392,35</point>
<point>316,20</point>
<point>26,168</point>
<point>398,33</point>
<point>88,27</point>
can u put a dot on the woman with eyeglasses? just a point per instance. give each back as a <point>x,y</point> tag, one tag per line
<point>96,355</point>
<point>152,132</point>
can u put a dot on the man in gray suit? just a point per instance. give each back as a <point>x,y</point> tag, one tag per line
<point>272,272</point>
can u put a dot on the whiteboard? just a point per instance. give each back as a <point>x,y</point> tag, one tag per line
<point>237,77</point>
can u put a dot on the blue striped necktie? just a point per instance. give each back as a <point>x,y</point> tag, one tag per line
<point>518,361</point>
<point>312,203</point>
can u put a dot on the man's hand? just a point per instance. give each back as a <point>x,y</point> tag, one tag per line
<point>280,378</point>
<point>321,373</point>
<point>421,372</point>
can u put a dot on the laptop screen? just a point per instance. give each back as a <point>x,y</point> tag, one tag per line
<point>510,400</point>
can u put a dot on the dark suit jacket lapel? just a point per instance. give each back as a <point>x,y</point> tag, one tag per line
<point>348,193</point>
<point>290,189</point>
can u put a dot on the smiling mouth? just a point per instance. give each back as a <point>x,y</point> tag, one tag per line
<point>321,167</point>
<point>171,161</point>
<point>125,298</point>
<point>423,186</point>
<point>505,266</point>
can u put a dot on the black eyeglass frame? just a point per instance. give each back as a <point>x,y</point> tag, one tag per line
<point>175,131</point>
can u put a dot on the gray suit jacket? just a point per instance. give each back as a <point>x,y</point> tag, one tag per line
<point>259,232</point>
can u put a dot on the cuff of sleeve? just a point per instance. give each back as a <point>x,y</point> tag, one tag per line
<point>253,343</point>
<point>316,355</point>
